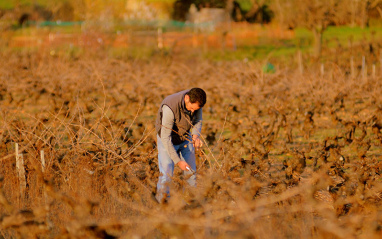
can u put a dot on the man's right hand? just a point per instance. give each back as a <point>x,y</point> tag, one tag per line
<point>183,165</point>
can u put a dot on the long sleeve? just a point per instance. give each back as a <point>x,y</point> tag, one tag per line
<point>166,129</point>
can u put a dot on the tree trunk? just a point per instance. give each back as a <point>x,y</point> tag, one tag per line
<point>229,6</point>
<point>317,42</point>
<point>365,14</point>
<point>252,12</point>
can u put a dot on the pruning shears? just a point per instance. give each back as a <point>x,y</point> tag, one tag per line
<point>190,169</point>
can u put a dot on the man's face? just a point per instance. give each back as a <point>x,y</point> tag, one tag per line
<point>191,106</point>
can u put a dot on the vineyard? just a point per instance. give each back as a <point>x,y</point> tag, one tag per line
<point>289,154</point>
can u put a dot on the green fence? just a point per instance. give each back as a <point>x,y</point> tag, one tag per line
<point>170,24</point>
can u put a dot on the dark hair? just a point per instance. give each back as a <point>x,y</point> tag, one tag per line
<point>197,95</point>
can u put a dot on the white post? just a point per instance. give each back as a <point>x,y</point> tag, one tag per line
<point>43,171</point>
<point>300,66</point>
<point>352,67</point>
<point>322,69</point>
<point>160,38</point>
<point>20,170</point>
<point>364,70</point>
<point>42,160</point>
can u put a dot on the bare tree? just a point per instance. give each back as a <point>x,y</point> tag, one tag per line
<point>365,7</point>
<point>254,9</point>
<point>359,11</point>
<point>315,15</point>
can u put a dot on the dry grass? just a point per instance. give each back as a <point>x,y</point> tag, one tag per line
<point>288,155</point>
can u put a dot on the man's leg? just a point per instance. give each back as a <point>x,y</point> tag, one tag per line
<point>187,152</point>
<point>166,169</point>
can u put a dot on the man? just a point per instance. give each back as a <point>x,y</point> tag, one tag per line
<point>178,126</point>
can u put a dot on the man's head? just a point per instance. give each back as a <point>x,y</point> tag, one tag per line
<point>195,99</point>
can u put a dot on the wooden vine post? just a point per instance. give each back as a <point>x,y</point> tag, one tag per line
<point>300,65</point>
<point>322,70</point>
<point>364,68</point>
<point>42,160</point>
<point>352,72</point>
<point>20,171</point>
<point>160,38</point>
<point>43,173</point>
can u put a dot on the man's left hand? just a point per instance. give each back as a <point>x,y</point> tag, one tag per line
<point>196,141</point>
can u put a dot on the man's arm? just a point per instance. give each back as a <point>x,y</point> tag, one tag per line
<point>167,124</point>
<point>196,130</point>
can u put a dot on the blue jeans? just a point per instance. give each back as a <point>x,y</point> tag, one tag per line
<point>186,152</point>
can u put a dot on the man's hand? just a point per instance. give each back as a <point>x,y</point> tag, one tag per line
<point>196,141</point>
<point>183,165</point>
